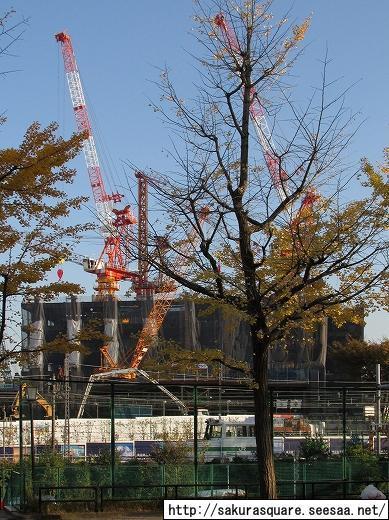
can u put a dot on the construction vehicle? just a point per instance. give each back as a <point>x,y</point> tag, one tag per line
<point>47,407</point>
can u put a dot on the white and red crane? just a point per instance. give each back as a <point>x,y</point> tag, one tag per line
<point>116,229</point>
<point>116,224</point>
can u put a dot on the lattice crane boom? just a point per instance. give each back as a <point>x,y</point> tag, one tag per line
<point>166,295</point>
<point>115,224</point>
<point>143,288</point>
<point>102,200</point>
<point>161,306</point>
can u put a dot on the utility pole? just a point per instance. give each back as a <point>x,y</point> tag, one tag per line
<point>378,408</point>
<point>53,412</point>
<point>66,430</point>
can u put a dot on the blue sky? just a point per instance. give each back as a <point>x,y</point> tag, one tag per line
<point>120,44</point>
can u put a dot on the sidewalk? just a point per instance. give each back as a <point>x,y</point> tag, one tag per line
<point>6,515</point>
<point>113,516</point>
<point>15,515</point>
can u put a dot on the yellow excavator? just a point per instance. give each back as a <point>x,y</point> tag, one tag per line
<point>39,399</point>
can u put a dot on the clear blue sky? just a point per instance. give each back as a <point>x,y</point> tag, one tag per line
<point>119,46</point>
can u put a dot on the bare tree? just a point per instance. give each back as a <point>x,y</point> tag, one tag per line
<point>284,245</point>
<point>10,32</point>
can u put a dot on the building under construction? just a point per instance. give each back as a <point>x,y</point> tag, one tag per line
<point>186,324</point>
<point>133,326</point>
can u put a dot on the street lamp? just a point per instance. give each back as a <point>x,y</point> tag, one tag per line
<point>31,393</point>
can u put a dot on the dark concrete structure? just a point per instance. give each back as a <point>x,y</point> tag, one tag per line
<point>303,358</point>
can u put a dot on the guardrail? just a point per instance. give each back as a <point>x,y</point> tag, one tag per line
<point>333,489</point>
<point>57,498</point>
<point>102,495</point>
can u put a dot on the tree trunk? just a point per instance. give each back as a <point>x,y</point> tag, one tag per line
<point>3,313</point>
<point>263,423</point>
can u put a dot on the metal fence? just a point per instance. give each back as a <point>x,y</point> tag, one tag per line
<point>295,479</point>
<point>103,497</point>
<point>108,446</point>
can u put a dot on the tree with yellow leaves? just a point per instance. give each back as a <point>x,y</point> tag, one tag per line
<point>35,234</point>
<point>35,230</point>
<point>284,245</point>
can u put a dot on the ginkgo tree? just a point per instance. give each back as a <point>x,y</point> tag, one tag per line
<point>35,231</point>
<point>293,233</point>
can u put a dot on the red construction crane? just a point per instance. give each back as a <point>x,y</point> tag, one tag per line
<point>128,368</point>
<point>116,224</point>
<point>166,293</point>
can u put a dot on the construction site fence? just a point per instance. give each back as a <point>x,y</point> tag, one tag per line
<point>295,478</point>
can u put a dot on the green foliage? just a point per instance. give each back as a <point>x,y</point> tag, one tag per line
<point>52,459</point>
<point>174,457</point>
<point>314,448</point>
<point>78,474</point>
<point>53,464</point>
<point>5,472</point>
<point>176,452</point>
<point>104,457</point>
<point>356,360</point>
<point>364,462</point>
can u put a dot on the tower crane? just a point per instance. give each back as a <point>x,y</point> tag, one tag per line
<point>143,287</point>
<point>116,224</point>
<point>166,293</point>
